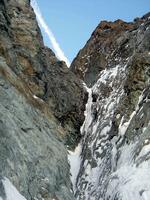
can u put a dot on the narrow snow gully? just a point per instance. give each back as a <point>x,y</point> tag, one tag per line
<point>112,160</point>
<point>74,157</point>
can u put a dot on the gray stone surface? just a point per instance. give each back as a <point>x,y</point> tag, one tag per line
<point>41,108</point>
<point>31,155</point>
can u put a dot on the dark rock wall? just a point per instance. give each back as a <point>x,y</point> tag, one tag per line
<point>22,47</point>
<point>41,108</point>
<point>31,156</point>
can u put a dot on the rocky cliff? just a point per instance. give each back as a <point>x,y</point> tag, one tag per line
<point>42,104</point>
<point>115,147</point>
<point>37,68</point>
<point>41,108</point>
<point>109,41</point>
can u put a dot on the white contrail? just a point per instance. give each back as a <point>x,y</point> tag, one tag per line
<point>59,53</point>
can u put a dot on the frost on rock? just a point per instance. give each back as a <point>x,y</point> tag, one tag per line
<point>10,192</point>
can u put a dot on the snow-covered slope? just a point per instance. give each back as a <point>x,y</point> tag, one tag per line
<point>8,191</point>
<point>115,155</point>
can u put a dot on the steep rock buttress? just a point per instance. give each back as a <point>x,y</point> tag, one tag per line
<point>22,48</point>
<point>41,109</point>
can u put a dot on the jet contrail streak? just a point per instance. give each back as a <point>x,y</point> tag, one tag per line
<point>59,53</point>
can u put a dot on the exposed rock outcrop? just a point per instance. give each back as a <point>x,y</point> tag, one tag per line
<point>46,77</point>
<point>107,42</point>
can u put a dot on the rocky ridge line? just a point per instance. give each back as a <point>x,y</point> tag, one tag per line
<point>108,41</point>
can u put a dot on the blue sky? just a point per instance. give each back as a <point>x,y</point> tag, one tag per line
<point>73,21</point>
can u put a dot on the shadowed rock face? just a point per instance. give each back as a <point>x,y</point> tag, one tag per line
<point>22,48</point>
<point>41,108</point>
<point>107,42</point>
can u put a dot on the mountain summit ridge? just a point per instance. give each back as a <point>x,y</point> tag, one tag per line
<point>98,49</point>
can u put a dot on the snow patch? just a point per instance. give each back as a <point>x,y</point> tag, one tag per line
<point>130,181</point>
<point>74,160</point>
<point>145,150</point>
<point>11,192</point>
<point>87,112</point>
<point>35,97</point>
